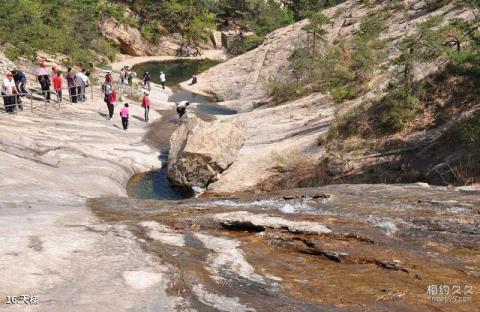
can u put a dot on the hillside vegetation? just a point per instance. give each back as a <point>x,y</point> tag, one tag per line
<point>71,27</point>
<point>406,110</point>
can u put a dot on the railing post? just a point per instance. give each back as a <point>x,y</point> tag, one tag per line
<point>45,99</point>
<point>31,101</point>
<point>16,105</point>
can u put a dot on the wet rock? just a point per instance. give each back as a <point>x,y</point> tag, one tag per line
<point>263,220</point>
<point>199,150</point>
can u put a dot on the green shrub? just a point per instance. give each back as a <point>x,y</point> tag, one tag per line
<point>69,27</point>
<point>398,110</point>
<point>283,91</point>
<point>150,31</point>
<point>250,43</point>
<point>467,131</point>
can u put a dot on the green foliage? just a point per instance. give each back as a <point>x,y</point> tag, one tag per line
<point>343,70</point>
<point>397,110</point>
<point>151,32</point>
<point>250,43</point>
<point>283,91</point>
<point>467,132</point>
<point>316,27</point>
<point>69,27</point>
<point>306,8</point>
<point>72,25</point>
<point>190,18</point>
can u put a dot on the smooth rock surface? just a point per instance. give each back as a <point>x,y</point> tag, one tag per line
<point>51,161</point>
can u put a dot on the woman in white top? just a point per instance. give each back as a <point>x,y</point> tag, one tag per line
<point>9,92</point>
<point>162,79</point>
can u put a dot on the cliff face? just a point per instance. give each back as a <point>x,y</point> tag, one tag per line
<point>131,41</point>
<point>243,81</point>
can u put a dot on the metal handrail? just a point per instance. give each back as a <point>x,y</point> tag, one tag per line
<point>123,89</point>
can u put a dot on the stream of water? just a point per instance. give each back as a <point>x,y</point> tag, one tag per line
<point>154,184</point>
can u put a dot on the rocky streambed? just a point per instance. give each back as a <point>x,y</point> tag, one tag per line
<point>335,248</point>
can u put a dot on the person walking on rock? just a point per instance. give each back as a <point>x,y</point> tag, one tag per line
<point>147,78</point>
<point>163,79</point>
<point>124,115</point>
<point>108,98</point>
<point>112,101</point>
<point>130,76</point>
<point>43,77</point>
<point>57,85</point>
<point>72,87</point>
<point>82,81</point>
<point>9,92</point>
<point>21,85</point>
<point>182,108</point>
<point>146,104</point>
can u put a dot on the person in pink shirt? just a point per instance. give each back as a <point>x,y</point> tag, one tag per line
<point>111,102</point>
<point>146,104</point>
<point>57,85</point>
<point>124,114</point>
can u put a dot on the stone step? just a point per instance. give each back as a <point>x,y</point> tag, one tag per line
<point>217,36</point>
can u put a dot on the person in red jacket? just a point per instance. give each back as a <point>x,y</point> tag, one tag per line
<point>146,104</point>
<point>57,84</point>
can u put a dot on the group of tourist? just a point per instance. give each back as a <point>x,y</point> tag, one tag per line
<point>127,75</point>
<point>76,82</point>
<point>14,86</point>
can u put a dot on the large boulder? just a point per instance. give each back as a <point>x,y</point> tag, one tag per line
<point>199,150</point>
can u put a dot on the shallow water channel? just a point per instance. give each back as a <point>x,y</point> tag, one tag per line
<point>154,184</point>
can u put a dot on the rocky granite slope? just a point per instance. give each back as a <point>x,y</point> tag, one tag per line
<point>51,161</point>
<point>287,136</point>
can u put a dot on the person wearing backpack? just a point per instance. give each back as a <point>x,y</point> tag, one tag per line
<point>147,78</point>
<point>43,77</point>
<point>20,83</point>
<point>112,101</point>
<point>72,87</point>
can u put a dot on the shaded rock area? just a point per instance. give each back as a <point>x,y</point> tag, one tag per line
<point>200,150</point>
<point>335,248</point>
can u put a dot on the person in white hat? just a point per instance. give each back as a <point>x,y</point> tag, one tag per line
<point>9,92</point>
